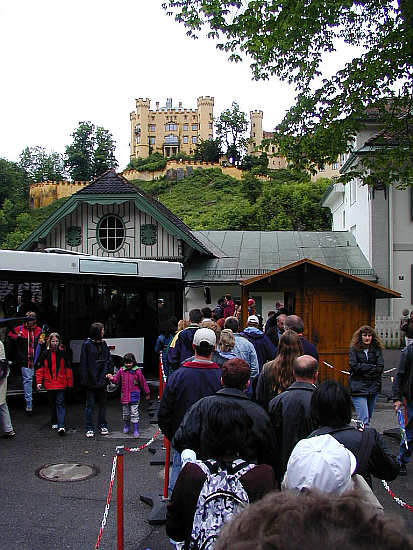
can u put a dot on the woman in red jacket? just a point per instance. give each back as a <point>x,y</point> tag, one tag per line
<point>54,374</point>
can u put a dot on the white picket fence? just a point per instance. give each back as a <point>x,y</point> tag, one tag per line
<point>388,330</point>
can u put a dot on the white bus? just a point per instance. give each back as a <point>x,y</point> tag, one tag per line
<point>68,292</point>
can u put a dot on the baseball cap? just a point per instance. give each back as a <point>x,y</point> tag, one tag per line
<point>320,463</point>
<point>204,335</point>
<point>253,319</point>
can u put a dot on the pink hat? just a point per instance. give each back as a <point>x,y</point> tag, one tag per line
<point>251,302</point>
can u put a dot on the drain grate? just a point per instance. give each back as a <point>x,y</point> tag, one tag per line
<point>67,471</point>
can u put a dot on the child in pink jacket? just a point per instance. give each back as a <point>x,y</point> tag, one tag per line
<point>132,383</point>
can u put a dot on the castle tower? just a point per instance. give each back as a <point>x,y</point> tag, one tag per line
<point>256,133</point>
<point>206,117</point>
<point>139,129</point>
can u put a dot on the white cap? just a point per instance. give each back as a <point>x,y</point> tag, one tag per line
<point>204,335</point>
<point>320,463</point>
<point>253,319</point>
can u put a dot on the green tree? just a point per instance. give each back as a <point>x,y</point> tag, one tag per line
<point>209,150</point>
<point>258,163</point>
<point>14,195</point>
<point>231,127</point>
<point>290,40</point>
<point>91,153</point>
<point>251,187</point>
<point>40,165</point>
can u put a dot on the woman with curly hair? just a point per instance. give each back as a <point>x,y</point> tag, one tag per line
<point>366,367</point>
<point>277,375</point>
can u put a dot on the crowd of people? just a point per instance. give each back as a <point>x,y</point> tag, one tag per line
<point>44,358</point>
<point>248,422</point>
<point>248,410</point>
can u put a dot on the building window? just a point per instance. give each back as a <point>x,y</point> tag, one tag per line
<point>111,233</point>
<point>210,124</point>
<point>353,193</point>
<point>335,166</point>
<point>138,138</point>
<point>185,127</point>
<point>151,127</point>
<point>194,139</point>
<point>194,127</point>
<point>194,117</point>
<point>210,137</point>
<point>344,219</point>
<point>151,140</point>
<point>170,126</point>
<point>185,139</point>
<point>171,139</point>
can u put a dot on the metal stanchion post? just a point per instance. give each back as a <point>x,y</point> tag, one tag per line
<point>119,496</point>
<point>167,461</point>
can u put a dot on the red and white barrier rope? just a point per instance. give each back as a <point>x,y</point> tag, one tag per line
<point>112,479</point>
<point>141,447</point>
<point>108,498</point>
<point>395,498</point>
<point>163,372</point>
<point>347,372</point>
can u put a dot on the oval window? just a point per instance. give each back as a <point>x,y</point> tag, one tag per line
<point>111,233</point>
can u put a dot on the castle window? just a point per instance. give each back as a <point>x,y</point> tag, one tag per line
<point>171,139</point>
<point>170,126</point>
<point>185,139</point>
<point>151,140</point>
<point>194,127</point>
<point>151,127</point>
<point>210,137</point>
<point>111,233</point>
<point>210,124</point>
<point>194,139</point>
<point>185,127</point>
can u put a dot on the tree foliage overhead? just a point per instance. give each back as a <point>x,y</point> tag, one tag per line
<point>40,165</point>
<point>231,127</point>
<point>91,153</point>
<point>291,39</point>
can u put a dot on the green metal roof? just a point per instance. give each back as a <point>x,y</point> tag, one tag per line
<point>249,253</point>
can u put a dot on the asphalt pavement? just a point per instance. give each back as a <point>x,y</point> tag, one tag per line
<point>46,515</point>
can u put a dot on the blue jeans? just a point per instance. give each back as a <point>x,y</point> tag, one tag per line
<point>175,469</point>
<point>57,407</point>
<point>98,396</point>
<point>364,405</point>
<point>404,454</point>
<point>27,375</point>
<point>5,421</point>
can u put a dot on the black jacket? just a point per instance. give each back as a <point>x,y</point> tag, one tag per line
<point>290,414</point>
<point>403,381</point>
<point>190,434</point>
<point>373,457</point>
<point>365,372</point>
<point>95,364</point>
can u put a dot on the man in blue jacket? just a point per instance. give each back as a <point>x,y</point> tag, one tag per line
<point>197,378</point>
<point>266,351</point>
<point>181,348</point>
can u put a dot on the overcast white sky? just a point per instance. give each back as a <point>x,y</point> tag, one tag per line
<point>63,62</point>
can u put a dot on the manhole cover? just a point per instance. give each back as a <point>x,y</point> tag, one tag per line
<point>66,471</point>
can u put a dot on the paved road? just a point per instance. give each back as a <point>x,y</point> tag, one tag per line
<point>42,515</point>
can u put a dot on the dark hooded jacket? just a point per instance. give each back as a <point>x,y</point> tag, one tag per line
<point>182,349</point>
<point>95,364</point>
<point>190,434</point>
<point>266,351</point>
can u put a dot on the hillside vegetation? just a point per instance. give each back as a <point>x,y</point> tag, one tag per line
<point>208,200</point>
